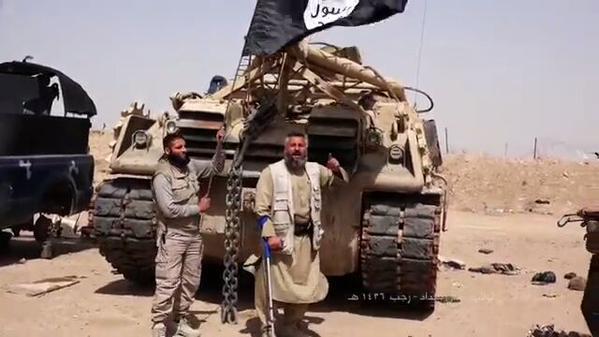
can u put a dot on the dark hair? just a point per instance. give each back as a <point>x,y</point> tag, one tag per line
<point>168,140</point>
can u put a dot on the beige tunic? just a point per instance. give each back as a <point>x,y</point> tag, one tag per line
<point>296,278</point>
<point>300,186</point>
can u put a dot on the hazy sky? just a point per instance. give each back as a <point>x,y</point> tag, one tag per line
<point>499,71</point>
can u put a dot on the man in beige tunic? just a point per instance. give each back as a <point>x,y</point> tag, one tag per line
<point>288,204</point>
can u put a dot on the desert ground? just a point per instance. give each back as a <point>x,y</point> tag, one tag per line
<point>509,206</point>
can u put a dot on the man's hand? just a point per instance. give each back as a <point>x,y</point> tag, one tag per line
<point>275,243</point>
<point>204,204</point>
<point>333,164</point>
<point>220,135</point>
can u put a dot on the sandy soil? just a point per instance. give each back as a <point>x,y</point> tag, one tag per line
<point>103,304</point>
<point>496,185</point>
<point>507,205</point>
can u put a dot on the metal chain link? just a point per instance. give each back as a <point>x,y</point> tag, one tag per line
<point>232,240</point>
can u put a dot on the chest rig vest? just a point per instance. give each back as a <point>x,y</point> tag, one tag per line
<point>185,187</point>
<point>282,204</point>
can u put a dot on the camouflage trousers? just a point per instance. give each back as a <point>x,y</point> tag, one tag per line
<point>178,271</point>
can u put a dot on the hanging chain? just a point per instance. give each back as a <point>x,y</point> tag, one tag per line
<point>232,243</point>
<point>257,121</point>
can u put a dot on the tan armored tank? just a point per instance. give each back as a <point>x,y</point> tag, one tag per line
<point>385,224</point>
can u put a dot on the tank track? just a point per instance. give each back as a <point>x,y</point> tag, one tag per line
<point>124,225</point>
<point>399,248</point>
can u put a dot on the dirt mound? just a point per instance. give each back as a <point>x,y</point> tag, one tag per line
<point>98,144</point>
<point>481,183</point>
<point>497,185</point>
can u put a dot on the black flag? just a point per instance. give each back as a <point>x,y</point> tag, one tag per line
<point>278,23</point>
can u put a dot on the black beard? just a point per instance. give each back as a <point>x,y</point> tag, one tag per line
<point>178,161</point>
<point>294,164</point>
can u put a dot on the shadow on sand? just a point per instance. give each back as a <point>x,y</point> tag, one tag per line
<point>25,247</point>
<point>338,299</point>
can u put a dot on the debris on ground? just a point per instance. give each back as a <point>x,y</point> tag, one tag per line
<point>447,299</point>
<point>542,202</point>
<point>570,276</point>
<point>544,278</point>
<point>485,251</point>
<point>44,286</point>
<point>457,284</point>
<point>577,283</point>
<point>496,268</point>
<point>550,295</point>
<point>22,260</point>
<point>452,263</point>
<point>549,331</point>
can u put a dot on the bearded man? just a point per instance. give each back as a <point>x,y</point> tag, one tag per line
<point>288,204</point>
<point>179,258</point>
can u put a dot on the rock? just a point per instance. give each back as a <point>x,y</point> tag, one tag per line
<point>485,269</point>
<point>565,174</point>
<point>485,251</point>
<point>497,268</point>
<point>544,278</point>
<point>457,284</point>
<point>22,260</point>
<point>506,268</point>
<point>569,276</point>
<point>452,263</point>
<point>44,286</point>
<point>550,331</point>
<point>577,283</point>
<point>542,201</point>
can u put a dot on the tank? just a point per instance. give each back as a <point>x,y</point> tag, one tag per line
<point>384,225</point>
<point>588,217</point>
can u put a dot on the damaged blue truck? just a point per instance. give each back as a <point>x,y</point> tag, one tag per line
<point>45,164</point>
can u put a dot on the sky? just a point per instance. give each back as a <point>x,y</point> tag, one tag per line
<point>500,72</point>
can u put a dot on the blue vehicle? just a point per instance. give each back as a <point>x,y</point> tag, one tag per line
<point>45,165</point>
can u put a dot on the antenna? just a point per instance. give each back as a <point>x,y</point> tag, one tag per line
<point>420,51</point>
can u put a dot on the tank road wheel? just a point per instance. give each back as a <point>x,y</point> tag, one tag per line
<point>124,224</point>
<point>399,248</point>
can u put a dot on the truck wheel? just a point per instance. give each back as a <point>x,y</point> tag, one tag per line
<point>41,229</point>
<point>4,241</point>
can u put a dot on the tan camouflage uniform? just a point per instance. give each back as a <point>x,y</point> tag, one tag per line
<point>180,247</point>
